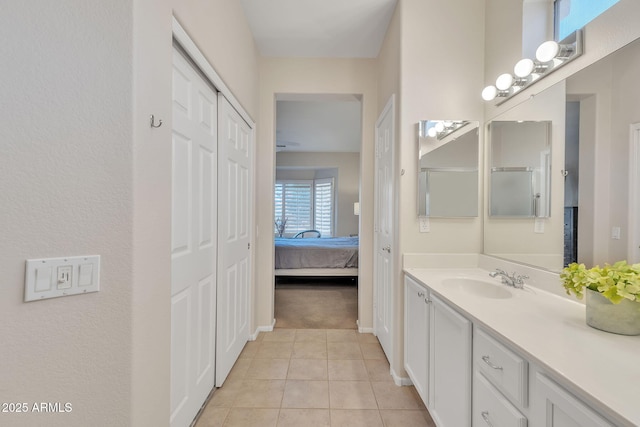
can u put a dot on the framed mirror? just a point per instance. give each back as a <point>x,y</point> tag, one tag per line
<point>448,168</point>
<point>520,168</point>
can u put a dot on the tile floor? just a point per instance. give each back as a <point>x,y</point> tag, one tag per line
<point>313,378</point>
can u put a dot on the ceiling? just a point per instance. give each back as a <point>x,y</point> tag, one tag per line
<point>319,28</point>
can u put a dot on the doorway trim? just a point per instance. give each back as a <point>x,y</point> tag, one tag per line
<point>633,252</point>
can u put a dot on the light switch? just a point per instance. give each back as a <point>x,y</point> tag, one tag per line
<point>43,279</point>
<point>57,277</point>
<point>85,276</point>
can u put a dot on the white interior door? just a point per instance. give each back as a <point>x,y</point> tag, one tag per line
<point>383,228</point>
<point>234,263</point>
<point>193,241</point>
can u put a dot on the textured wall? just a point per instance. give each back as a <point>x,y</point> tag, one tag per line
<point>65,182</point>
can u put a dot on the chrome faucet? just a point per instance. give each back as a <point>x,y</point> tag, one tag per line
<point>513,280</point>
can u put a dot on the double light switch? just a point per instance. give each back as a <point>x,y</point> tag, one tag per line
<point>57,277</point>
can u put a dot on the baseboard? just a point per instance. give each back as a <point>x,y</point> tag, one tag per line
<point>400,381</point>
<point>259,329</point>
<point>363,330</point>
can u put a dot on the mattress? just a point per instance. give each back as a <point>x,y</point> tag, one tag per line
<point>332,252</point>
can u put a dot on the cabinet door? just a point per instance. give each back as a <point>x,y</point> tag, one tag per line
<point>556,407</point>
<point>449,366</point>
<point>416,339</point>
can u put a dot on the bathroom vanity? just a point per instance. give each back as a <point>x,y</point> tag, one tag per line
<point>483,354</point>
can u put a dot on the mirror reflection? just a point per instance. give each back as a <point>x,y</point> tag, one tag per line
<point>448,168</point>
<point>520,168</point>
<point>595,183</point>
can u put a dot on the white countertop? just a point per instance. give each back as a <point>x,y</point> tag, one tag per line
<point>601,368</point>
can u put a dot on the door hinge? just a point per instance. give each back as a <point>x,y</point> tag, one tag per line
<point>249,245</point>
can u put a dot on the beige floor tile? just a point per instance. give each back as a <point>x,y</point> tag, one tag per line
<point>239,369</point>
<point>378,370</point>
<point>391,396</point>
<point>351,395</point>
<point>250,349</point>
<point>306,394</point>
<point>356,418</point>
<point>225,396</point>
<point>280,335</point>
<point>243,417</point>
<point>372,351</point>
<point>268,369</point>
<point>307,369</point>
<point>304,418</point>
<point>309,350</point>
<point>260,394</point>
<point>343,350</point>
<point>341,370</point>
<point>274,350</point>
<point>367,338</point>
<point>212,417</point>
<point>341,335</point>
<point>398,418</point>
<point>311,335</point>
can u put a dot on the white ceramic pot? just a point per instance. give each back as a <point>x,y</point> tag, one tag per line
<point>622,318</point>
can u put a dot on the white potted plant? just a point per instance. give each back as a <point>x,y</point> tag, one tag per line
<point>613,295</point>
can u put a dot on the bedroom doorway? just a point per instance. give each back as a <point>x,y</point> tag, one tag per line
<point>316,210</point>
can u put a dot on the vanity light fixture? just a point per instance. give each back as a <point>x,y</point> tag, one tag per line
<point>439,128</point>
<point>550,56</point>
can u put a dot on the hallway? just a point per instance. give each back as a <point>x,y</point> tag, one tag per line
<point>313,378</point>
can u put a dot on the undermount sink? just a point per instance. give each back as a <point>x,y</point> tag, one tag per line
<point>478,287</point>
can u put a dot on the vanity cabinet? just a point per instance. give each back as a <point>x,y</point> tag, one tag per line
<point>438,355</point>
<point>556,407</point>
<point>449,365</point>
<point>416,342</point>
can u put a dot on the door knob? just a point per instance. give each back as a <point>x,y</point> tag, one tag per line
<point>387,248</point>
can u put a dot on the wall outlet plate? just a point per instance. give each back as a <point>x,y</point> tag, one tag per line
<point>57,277</point>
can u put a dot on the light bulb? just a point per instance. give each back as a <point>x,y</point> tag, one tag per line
<point>504,81</point>
<point>439,127</point>
<point>489,93</point>
<point>524,68</point>
<point>432,132</point>
<point>547,51</point>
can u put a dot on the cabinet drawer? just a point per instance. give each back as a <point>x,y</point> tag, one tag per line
<point>501,366</point>
<point>491,408</point>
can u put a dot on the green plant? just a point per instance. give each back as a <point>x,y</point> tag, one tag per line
<point>615,282</point>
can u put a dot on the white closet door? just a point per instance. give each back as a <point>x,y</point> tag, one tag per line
<point>193,241</point>
<point>234,263</point>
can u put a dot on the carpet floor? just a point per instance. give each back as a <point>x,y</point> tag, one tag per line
<point>316,303</point>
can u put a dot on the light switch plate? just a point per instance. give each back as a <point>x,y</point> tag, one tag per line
<point>57,277</point>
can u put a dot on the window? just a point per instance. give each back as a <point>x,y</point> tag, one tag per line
<point>305,204</point>
<point>571,15</point>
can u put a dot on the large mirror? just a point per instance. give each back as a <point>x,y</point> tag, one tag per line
<point>520,168</point>
<point>594,210</point>
<point>448,168</point>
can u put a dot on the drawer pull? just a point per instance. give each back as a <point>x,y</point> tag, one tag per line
<point>485,417</point>
<point>487,360</point>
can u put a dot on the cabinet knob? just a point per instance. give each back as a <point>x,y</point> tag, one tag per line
<point>420,294</point>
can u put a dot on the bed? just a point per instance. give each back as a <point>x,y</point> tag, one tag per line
<point>329,256</point>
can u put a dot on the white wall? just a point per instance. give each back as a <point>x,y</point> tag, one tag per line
<point>66,190</point>
<point>84,174</point>
<point>312,76</point>
<point>347,182</point>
